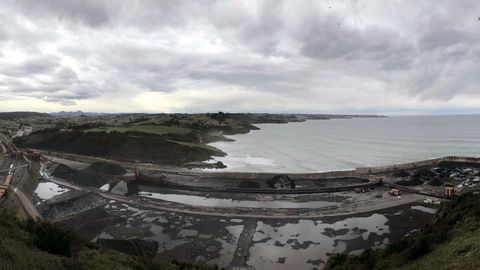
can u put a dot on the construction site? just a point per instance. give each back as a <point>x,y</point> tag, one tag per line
<point>166,210</point>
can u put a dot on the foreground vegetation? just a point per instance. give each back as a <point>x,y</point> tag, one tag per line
<point>452,242</point>
<point>26,244</point>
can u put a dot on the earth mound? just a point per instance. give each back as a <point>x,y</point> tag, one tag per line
<point>424,173</point>
<point>414,181</point>
<point>436,182</point>
<point>70,204</point>
<point>79,177</point>
<point>454,164</point>
<point>401,173</point>
<point>106,168</point>
<point>249,184</point>
<point>64,172</point>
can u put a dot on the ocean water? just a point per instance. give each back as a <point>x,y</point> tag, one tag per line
<point>341,144</point>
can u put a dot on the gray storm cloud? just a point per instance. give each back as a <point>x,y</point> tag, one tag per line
<point>313,56</point>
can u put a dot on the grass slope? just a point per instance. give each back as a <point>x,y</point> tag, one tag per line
<point>452,242</point>
<point>122,146</point>
<point>29,245</point>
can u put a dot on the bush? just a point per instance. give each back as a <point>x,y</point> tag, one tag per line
<point>368,259</point>
<point>396,247</point>
<point>419,248</point>
<point>336,261</point>
<point>49,237</point>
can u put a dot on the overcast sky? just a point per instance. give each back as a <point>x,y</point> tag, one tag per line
<point>389,57</point>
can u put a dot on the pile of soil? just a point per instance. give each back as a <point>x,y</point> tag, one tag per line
<point>401,173</point>
<point>435,182</point>
<point>64,172</point>
<point>249,184</point>
<point>80,177</point>
<point>70,204</point>
<point>106,168</point>
<point>136,247</point>
<point>414,181</point>
<point>91,223</point>
<point>454,164</point>
<point>424,173</point>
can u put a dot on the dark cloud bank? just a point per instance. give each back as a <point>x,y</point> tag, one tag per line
<point>311,56</point>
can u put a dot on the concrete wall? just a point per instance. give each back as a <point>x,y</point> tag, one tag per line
<point>358,172</point>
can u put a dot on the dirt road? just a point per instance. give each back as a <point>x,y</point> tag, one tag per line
<point>26,203</point>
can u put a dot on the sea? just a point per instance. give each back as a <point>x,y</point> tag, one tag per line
<point>342,144</point>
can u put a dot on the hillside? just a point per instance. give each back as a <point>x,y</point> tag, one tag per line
<point>19,115</point>
<point>29,245</point>
<point>452,242</point>
<point>122,146</point>
<point>159,138</point>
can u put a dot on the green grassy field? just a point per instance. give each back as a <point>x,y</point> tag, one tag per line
<point>6,125</point>
<point>151,129</point>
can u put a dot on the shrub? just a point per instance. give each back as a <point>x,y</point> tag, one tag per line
<point>50,237</point>
<point>419,248</point>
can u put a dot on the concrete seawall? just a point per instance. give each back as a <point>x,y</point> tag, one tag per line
<point>358,172</point>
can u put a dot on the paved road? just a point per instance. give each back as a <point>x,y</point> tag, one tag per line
<point>26,203</point>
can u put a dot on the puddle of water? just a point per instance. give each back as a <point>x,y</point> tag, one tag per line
<point>276,244</point>
<point>48,190</point>
<point>216,202</point>
<point>424,209</point>
<point>206,239</point>
<point>305,244</point>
